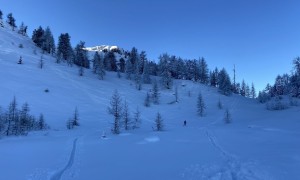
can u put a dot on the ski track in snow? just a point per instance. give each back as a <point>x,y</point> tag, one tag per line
<point>58,174</point>
<point>233,169</point>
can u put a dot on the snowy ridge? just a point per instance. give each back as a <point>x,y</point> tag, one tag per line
<point>102,48</point>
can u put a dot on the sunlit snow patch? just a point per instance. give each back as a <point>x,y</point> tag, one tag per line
<point>152,139</point>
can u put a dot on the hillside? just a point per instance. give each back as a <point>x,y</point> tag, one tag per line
<point>258,144</point>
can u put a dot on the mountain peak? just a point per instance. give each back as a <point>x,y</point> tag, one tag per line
<point>102,48</point>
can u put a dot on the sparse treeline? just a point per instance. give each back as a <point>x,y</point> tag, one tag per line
<point>44,39</point>
<point>11,21</point>
<point>122,118</point>
<point>121,114</point>
<point>15,121</point>
<point>138,68</point>
<point>286,84</point>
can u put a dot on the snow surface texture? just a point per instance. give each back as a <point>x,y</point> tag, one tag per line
<point>258,144</point>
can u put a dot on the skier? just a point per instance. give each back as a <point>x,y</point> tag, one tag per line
<point>103,135</point>
<point>20,60</point>
<point>184,123</point>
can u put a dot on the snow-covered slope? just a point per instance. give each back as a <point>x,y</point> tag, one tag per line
<point>258,144</point>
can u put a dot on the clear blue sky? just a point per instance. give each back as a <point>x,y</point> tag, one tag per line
<point>261,37</point>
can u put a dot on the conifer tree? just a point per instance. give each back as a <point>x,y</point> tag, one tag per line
<point>129,69</point>
<point>126,116</point>
<point>137,65</point>
<point>76,117</point>
<point>24,120</point>
<point>115,109</point>
<point>165,73</point>
<point>155,93</point>
<point>23,29</point>
<point>11,21</point>
<point>96,60</point>
<point>243,89</point>
<point>2,121</point>
<point>137,75</point>
<point>64,49</point>
<point>224,82</point>
<point>110,62</point>
<point>98,66</point>
<point>203,71</point>
<point>12,117</point>
<point>122,65</point>
<point>234,85</point>
<point>41,123</point>
<point>193,70</point>
<point>137,118</point>
<point>200,105</point>
<point>143,60</point>
<point>214,78</point>
<point>253,92</point>
<point>81,57</point>
<point>247,92</point>
<point>48,44</point>
<point>158,123</point>
<point>146,73</point>
<point>37,36</point>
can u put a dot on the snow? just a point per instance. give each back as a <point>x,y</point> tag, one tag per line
<point>258,144</point>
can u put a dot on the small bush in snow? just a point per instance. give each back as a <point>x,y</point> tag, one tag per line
<point>147,100</point>
<point>70,124</point>
<point>263,97</point>
<point>227,117</point>
<point>137,118</point>
<point>176,94</point>
<point>276,104</point>
<point>41,63</point>
<point>293,101</point>
<point>21,46</point>
<point>74,120</point>
<point>189,93</point>
<point>220,105</point>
